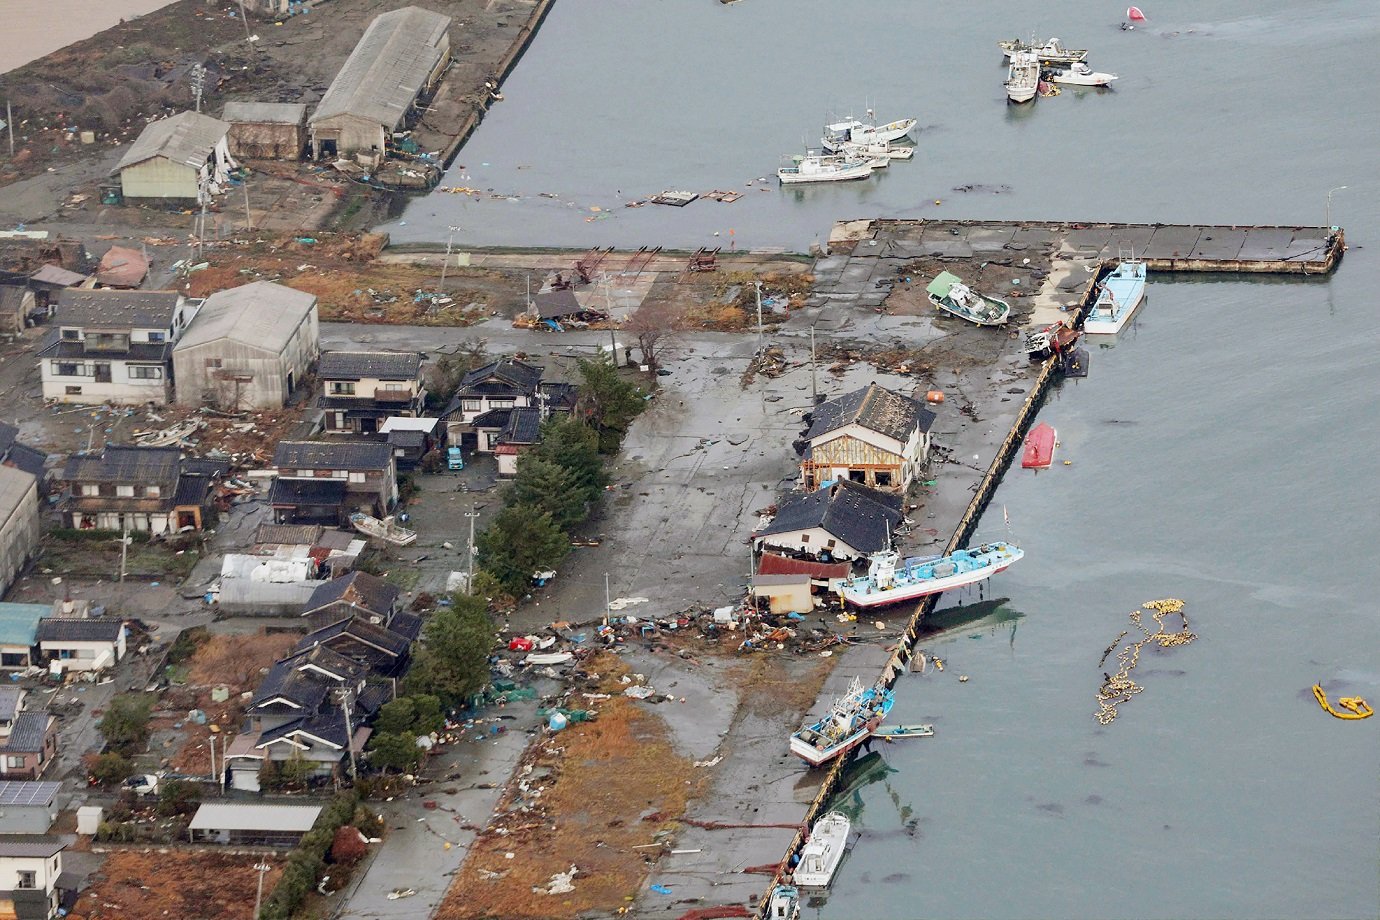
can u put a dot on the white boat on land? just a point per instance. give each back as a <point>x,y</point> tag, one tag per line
<point>851,720</point>
<point>852,131</point>
<point>886,582</point>
<point>386,529</point>
<point>1051,52</point>
<point>823,851</point>
<point>948,292</point>
<point>1023,77</point>
<point>1081,74</point>
<point>828,168</point>
<point>1122,292</point>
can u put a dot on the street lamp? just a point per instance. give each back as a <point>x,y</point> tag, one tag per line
<point>1329,203</point>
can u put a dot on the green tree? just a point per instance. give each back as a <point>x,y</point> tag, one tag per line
<point>125,725</point>
<point>398,752</point>
<point>452,663</point>
<point>176,797</point>
<point>570,443</point>
<point>295,771</point>
<point>607,402</point>
<point>547,486</point>
<point>111,769</point>
<point>520,542</point>
<point>395,716</point>
<point>431,715</point>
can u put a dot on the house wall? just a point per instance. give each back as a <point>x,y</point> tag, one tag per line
<point>249,140</point>
<point>13,323</point>
<point>142,522</point>
<point>787,598</point>
<point>812,541</point>
<point>855,448</point>
<point>15,656</point>
<point>27,819</point>
<point>350,133</point>
<point>85,655</point>
<point>19,533</point>
<point>199,380</point>
<point>159,178</point>
<point>122,388</point>
<point>364,387</point>
<point>37,903</point>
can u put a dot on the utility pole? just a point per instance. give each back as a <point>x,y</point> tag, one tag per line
<point>345,703</point>
<point>450,240</point>
<point>211,742</point>
<point>469,576</point>
<point>758,286</point>
<point>124,545</point>
<point>249,39</point>
<point>9,123</point>
<point>198,80</point>
<point>262,868</point>
<point>248,218</point>
<point>608,601</point>
<point>814,385</point>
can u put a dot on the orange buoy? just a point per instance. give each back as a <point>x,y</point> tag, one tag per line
<point>934,396</point>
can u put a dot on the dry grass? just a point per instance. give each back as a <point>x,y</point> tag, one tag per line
<point>614,783</point>
<point>169,883</point>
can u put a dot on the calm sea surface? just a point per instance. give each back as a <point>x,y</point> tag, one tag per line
<point>1224,452</point>
<point>32,30</point>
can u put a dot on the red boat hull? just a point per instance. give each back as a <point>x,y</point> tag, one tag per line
<point>1039,447</point>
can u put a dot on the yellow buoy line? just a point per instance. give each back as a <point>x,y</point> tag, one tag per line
<point>1119,687</point>
<point>1356,708</point>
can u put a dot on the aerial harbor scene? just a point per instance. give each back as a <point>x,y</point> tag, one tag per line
<point>554,459</point>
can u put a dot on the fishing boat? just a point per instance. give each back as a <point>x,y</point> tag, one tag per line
<point>888,583</point>
<point>1054,339</point>
<point>850,720</point>
<point>1023,77</point>
<point>1039,447</point>
<point>823,851</point>
<point>897,732</point>
<point>1122,292</point>
<point>879,155</point>
<point>387,529</point>
<point>1051,52</point>
<point>784,903</point>
<point>1081,74</point>
<point>852,131</point>
<point>815,168</point>
<point>950,294</point>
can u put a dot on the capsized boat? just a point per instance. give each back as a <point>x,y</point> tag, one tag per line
<point>852,131</point>
<point>823,851</point>
<point>1081,74</point>
<point>1023,77</point>
<point>851,719</point>
<point>1056,338</point>
<point>1039,447</point>
<point>829,168</point>
<point>1051,52</point>
<point>1122,292</point>
<point>889,583</point>
<point>784,903</point>
<point>950,294</point>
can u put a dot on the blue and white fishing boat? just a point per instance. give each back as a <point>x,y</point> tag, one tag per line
<point>850,721</point>
<point>887,583</point>
<point>784,903</point>
<point>1122,292</point>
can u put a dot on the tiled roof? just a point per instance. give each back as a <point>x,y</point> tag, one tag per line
<point>306,492</point>
<point>33,849</point>
<point>332,455</point>
<point>385,640</point>
<point>523,426</point>
<point>63,629</point>
<point>380,365</point>
<point>9,700</point>
<point>116,309</point>
<point>126,463</point>
<point>854,514</point>
<point>509,373</point>
<point>292,534</point>
<point>26,737</point>
<point>320,658</point>
<point>357,588</point>
<point>284,681</point>
<point>494,418</point>
<point>875,408</point>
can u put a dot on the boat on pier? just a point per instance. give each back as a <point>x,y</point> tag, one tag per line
<point>948,292</point>
<point>1122,292</point>
<point>784,903</point>
<point>1050,52</point>
<point>823,851</point>
<point>1039,447</point>
<point>851,719</point>
<point>886,582</point>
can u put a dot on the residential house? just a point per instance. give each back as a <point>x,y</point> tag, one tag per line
<point>11,705</point>
<point>266,130</point>
<point>20,528</point>
<point>30,747</point>
<point>16,307</point>
<point>243,824</point>
<point>249,347</point>
<point>384,648</point>
<point>146,489</point>
<point>359,389</point>
<point>49,281</point>
<point>173,156</point>
<point>27,806</point>
<point>356,594</point>
<point>21,456</point>
<point>113,346</point>
<point>44,266</point>
<point>871,436</point>
<point>72,644</point>
<point>479,411</point>
<point>398,60</point>
<point>31,882</point>
<point>520,432</point>
<point>841,522</point>
<point>412,439</point>
<point>323,482</point>
<point>19,633</point>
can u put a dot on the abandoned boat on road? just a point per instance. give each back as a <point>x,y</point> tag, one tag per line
<point>948,292</point>
<point>823,851</point>
<point>887,583</point>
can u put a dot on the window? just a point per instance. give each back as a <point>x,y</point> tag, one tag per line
<point>882,479</point>
<point>124,491</point>
<point>492,437</point>
<point>830,544</point>
<point>213,362</point>
<point>342,388</point>
<point>145,372</point>
<point>399,452</point>
<point>340,420</point>
<point>91,488</point>
<point>470,405</point>
<point>152,492</point>
<point>28,878</point>
<point>338,474</point>
<point>357,477</point>
<point>158,338</point>
<point>857,476</point>
<point>804,538</point>
<point>73,391</point>
<point>505,403</point>
<point>71,335</point>
<point>14,763</point>
<point>68,369</point>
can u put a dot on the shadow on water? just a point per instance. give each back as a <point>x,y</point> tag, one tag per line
<point>950,622</point>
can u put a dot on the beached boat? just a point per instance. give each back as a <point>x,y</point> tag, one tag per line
<point>897,732</point>
<point>852,131</point>
<point>1051,52</point>
<point>950,294</point>
<point>386,529</point>
<point>889,583</point>
<point>1056,338</point>
<point>814,168</point>
<point>851,719</point>
<point>1039,447</point>
<point>784,903</point>
<point>823,851</point>
<point>1023,77</point>
<point>1080,74</point>
<point>1122,292</point>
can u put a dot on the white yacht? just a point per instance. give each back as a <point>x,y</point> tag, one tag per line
<point>1023,77</point>
<point>1081,74</point>
<point>823,851</point>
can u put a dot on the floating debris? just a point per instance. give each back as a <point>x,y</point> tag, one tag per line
<point>1119,687</point>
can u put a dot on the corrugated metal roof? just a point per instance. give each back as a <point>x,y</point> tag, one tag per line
<point>234,817</point>
<point>262,314</point>
<point>187,138</point>
<point>14,486</point>
<point>388,68</point>
<point>265,113</point>
<point>19,623</point>
<point>26,792</point>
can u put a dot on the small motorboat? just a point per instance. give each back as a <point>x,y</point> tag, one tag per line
<point>823,851</point>
<point>897,732</point>
<point>1122,292</point>
<point>948,292</point>
<point>829,168</point>
<point>1023,77</point>
<point>1039,447</point>
<point>784,903</point>
<point>1081,74</point>
<point>1051,52</point>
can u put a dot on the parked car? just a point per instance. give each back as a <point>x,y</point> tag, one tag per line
<point>142,784</point>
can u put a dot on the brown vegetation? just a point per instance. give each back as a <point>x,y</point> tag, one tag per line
<point>164,883</point>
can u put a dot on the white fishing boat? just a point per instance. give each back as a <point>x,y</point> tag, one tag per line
<point>1081,74</point>
<point>852,131</point>
<point>880,155</point>
<point>948,292</point>
<point>823,851</point>
<point>886,582</point>
<point>784,903</point>
<point>851,720</point>
<point>1050,52</point>
<point>1023,77</point>
<point>828,168</point>
<point>387,529</point>
<point>1122,292</point>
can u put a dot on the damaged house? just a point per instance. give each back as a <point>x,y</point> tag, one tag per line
<point>175,158</point>
<point>266,130</point>
<point>146,489</point>
<point>324,482</point>
<point>871,436</point>
<point>842,522</point>
<point>480,414</point>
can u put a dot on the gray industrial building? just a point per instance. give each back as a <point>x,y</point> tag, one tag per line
<point>19,523</point>
<point>248,348</point>
<point>400,57</point>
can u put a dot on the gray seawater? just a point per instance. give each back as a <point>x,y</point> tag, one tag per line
<point>1224,451</point>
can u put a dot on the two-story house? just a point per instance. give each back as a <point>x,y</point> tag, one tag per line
<point>148,489</point>
<point>355,594</point>
<point>324,482</point>
<point>29,873</point>
<point>870,436</point>
<point>359,389</point>
<point>483,404</point>
<point>30,747</point>
<point>113,346</point>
